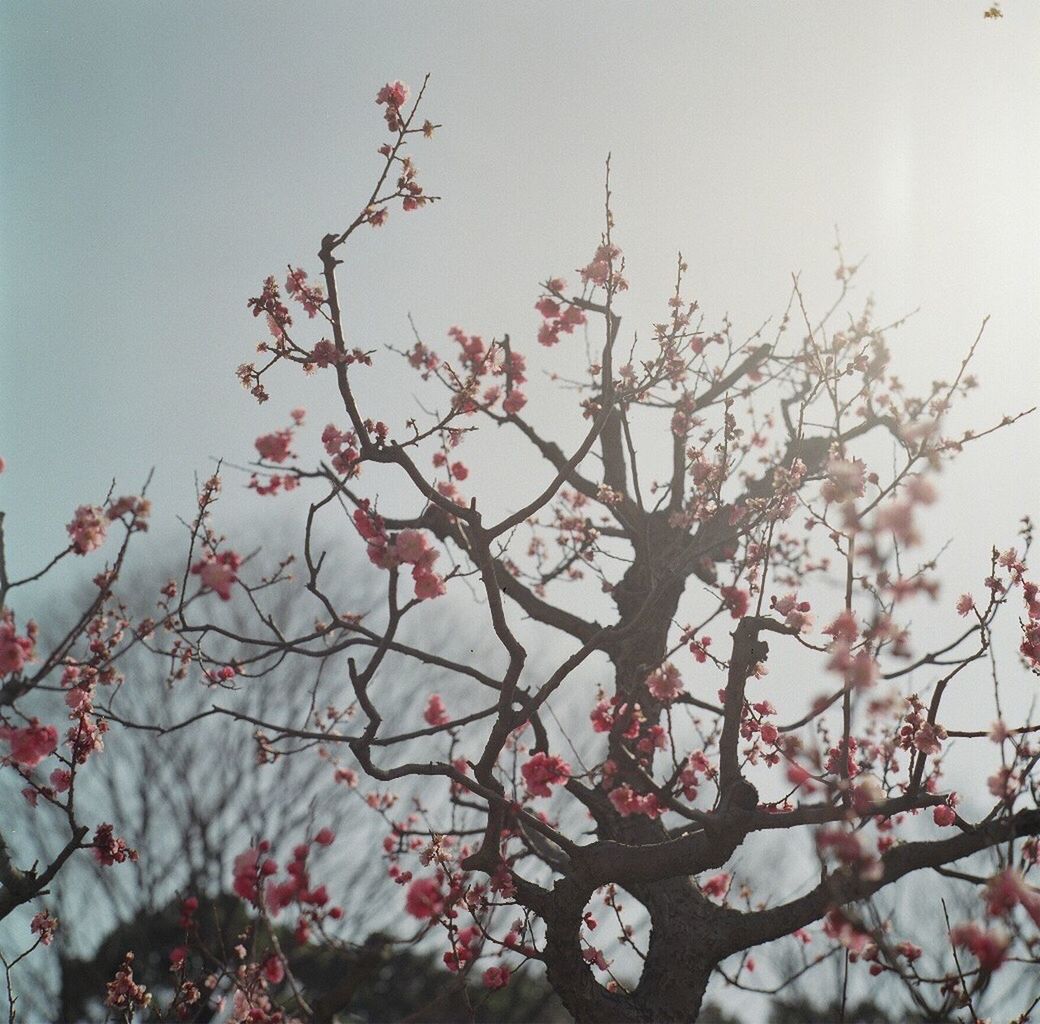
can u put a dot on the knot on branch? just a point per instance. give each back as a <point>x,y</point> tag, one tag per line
<point>742,795</point>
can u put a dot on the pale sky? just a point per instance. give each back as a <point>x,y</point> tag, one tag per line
<point>158,161</point>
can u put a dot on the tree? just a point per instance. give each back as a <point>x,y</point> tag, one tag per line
<point>724,510</point>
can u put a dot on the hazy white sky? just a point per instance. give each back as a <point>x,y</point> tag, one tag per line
<point>158,160</point>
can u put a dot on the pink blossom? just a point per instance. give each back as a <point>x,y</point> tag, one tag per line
<point>846,479</point>
<point>1008,889</point>
<point>309,296</point>
<point>109,849</point>
<point>736,600</point>
<point>60,779</point>
<point>496,977</point>
<point>325,354</point>
<point>514,402</point>
<point>543,771</point>
<point>851,849</point>
<point>944,815</point>
<point>424,898</point>
<point>247,869</point>
<point>863,672</point>
<point>844,628</point>
<point>897,517</point>
<point>31,744</point>
<point>717,886</point>
<point>800,777</point>
<point>628,802</point>
<point>15,650</point>
<point>273,969</point>
<point>218,572</point>
<point>665,683</point>
<point>436,713</point>
<point>45,926</point>
<point>988,947</point>
<point>411,546</point>
<point>393,93</point>
<point>275,447</point>
<point>965,603</point>
<point>325,836</point>
<point>87,529</point>
<point>928,738</point>
<point>1030,646</point>
<point>796,613</point>
<point>427,584</point>
<point>837,926</point>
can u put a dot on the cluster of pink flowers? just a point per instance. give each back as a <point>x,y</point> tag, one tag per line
<point>944,815</point>
<point>496,977</point>
<point>846,479</point>
<point>796,613</point>
<point>767,730</point>
<point>917,732</point>
<point>1030,646</point>
<point>697,764</point>
<point>218,572</point>
<point>466,944</point>
<point>1007,890</point>
<point>393,96</point>
<point>736,599</point>
<point>716,886</point>
<point>557,319</point>
<point>44,925</point>
<point>425,898</point>
<point>269,302</point>
<point>253,868</point>
<point>297,887</point>
<point>31,744</point>
<point>87,529</point>
<point>601,272</point>
<point>627,717</point>
<point>989,947</point>
<point>839,926</point>
<point>275,447</point>
<point>436,713</point>
<point>311,297</point>
<point>125,994</point>
<point>342,447</point>
<point>860,669</point>
<point>409,547</point>
<point>109,848</point>
<point>248,869</point>
<point>481,361</point>
<point>665,683</point>
<point>627,802</point>
<point>409,187</point>
<point>273,484</point>
<point>15,649</point>
<point>544,770</point>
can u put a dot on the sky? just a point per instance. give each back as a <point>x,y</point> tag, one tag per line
<point>157,161</point>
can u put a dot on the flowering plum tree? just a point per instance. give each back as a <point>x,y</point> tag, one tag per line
<point>759,527</point>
